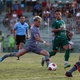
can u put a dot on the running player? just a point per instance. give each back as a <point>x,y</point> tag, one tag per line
<point>60,40</point>
<point>32,46</point>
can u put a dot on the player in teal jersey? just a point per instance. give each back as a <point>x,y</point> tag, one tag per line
<point>60,40</point>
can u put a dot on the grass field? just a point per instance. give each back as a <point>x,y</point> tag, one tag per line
<point>29,68</point>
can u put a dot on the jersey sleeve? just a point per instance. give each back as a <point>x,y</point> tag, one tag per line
<point>54,25</point>
<point>35,33</point>
<point>15,26</point>
<point>27,26</point>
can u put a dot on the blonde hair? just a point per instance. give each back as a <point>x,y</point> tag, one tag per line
<point>36,18</point>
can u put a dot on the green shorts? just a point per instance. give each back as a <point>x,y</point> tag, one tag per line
<point>3,44</point>
<point>11,44</point>
<point>57,43</point>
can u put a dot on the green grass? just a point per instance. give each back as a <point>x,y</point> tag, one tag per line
<point>29,68</point>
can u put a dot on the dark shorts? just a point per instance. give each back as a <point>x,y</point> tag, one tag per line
<point>59,43</point>
<point>34,49</point>
<point>20,38</point>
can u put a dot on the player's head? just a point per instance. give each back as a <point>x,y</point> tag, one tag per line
<point>37,20</point>
<point>22,19</point>
<point>58,14</point>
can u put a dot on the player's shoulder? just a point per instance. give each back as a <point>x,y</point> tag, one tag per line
<point>34,29</point>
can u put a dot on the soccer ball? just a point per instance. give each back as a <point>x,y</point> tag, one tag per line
<point>52,67</point>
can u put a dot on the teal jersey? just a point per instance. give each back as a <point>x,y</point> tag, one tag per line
<point>61,33</point>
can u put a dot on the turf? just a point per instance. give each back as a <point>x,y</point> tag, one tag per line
<point>29,68</point>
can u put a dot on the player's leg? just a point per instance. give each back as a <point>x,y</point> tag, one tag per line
<point>46,54</point>
<point>74,68</point>
<point>7,55</point>
<point>13,54</point>
<point>67,47</point>
<point>42,52</point>
<point>21,43</point>
<point>55,45</point>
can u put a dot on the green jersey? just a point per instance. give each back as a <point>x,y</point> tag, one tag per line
<point>61,34</point>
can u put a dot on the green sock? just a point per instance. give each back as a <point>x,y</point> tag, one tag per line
<point>67,55</point>
<point>52,53</point>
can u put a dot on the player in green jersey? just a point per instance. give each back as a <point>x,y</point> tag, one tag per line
<point>60,40</point>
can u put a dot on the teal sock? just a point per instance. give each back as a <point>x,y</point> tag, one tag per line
<point>67,55</point>
<point>8,55</point>
<point>52,53</point>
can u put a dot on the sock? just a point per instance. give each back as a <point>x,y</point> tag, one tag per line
<point>8,55</point>
<point>47,60</point>
<point>52,53</point>
<point>65,62</point>
<point>67,55</point>
<point>74,68</point>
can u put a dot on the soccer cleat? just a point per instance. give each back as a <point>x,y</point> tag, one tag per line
<point>68,74</point>
<point>43,60</point>
<point>66,65</point>
<point>0,59</point>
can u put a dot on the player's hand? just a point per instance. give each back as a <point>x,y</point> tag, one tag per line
<point>47,44</point>
<point>61,28</point>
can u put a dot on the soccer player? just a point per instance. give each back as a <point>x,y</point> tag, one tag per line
<point>74,68</point>
<point>20,30</point>
<point>60,39</point>
<point>32,46</point>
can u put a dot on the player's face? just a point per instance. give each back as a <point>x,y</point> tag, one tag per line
<point>58,15</point>
<point>37,23</point>
<point>22,19</point>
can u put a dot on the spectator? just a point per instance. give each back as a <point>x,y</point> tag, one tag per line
<point>35,8</point>
<point>28,4</point>
<point>45,12</point>
<point>1,5</point>
<point>44,4</point>
<point>22,5</point>
<point>68,25</point>
<point>2,40</point>
<point>8,4</point>
<point>49,5</point>
<point>19,12</point>
<point>78,2</point>
<point>15,6</point>
<point>11,42</point>
<point>55,4</point>
<point>34,2</point>
<point>78,25</point>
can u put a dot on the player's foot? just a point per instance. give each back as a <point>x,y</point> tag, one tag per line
<point>0,59</point>
<point>18,58</point>
<point>66,65</point>
<point>43,60</point>
<point>68,74</point>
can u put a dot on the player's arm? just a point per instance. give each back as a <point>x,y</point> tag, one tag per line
<point>41,40</point>
<point>54,27</point>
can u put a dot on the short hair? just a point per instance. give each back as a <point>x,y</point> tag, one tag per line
<point>57,10</point>
<point>36,18</point>
<point>21,16</point>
